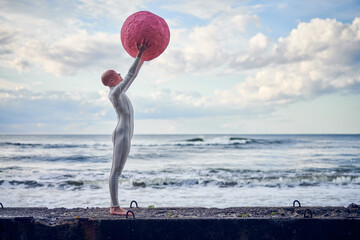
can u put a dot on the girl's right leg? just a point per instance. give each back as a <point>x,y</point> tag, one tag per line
<point>120,154</point>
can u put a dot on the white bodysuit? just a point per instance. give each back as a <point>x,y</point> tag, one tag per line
<point>124,129</point>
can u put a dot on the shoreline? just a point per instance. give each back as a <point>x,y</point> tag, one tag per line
<point>183,223</point>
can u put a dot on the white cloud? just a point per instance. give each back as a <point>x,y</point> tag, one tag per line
<point>39,105</point>
<point>318,57</point>
<point>207,48</point>
<point>170,104</point>
<point>112,9</point>
<point>76,51</point>
<point>52,35</point>
<point>203,9</point>
<point>259,42</point>
<point>193,98</point>
<point>63,111</point>
<point>297,67</point>
<point>158,126</point>
<point>241,21</point>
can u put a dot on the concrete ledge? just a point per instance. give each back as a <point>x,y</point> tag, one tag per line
<point>230,223</point>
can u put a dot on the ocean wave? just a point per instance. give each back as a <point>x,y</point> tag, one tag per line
<point>252,182</point>
<point>77,184</point>
<point>10,168</point>
<point>48,145</point>
<point>69,158</point>
<point>195,140</point>
<point>227,184</point>
<point>26,183</point>
<point>215,141</point>
<point>18,144</point>
<point>223,177</point>
<point>51,183</point>
<point>223,141</point>
<point>217,179</point>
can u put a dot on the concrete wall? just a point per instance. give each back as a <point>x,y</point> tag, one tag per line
<point>247,228</point>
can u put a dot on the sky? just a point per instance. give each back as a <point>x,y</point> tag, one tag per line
<point>231,67</point>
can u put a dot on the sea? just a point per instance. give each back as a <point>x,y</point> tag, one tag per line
<point>219,171</point>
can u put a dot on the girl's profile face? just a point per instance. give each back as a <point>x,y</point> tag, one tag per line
<point>115,80</point>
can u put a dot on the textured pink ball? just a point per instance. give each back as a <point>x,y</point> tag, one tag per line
<point>145,25</point>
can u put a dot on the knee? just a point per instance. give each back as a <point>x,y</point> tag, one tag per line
<point>114,175</point>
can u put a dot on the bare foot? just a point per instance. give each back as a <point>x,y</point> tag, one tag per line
<point>119,211</point>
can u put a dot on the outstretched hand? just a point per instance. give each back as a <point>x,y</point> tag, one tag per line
<point>141,48</point>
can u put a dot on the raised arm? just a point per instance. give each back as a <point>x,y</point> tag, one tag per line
<point>133,71</point>
<point>133,77</point>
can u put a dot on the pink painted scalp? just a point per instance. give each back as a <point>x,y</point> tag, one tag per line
<point>145,25</point>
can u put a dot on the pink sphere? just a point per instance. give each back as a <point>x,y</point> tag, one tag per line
<point>145,25</point>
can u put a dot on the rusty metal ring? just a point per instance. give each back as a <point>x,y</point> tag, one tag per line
<point>133,201</point>
<point>296,201</point>
<point>129,211</point>
<point>308,211</point>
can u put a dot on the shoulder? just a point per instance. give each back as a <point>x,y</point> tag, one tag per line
<point>111,93</point>
<point>114,94</point>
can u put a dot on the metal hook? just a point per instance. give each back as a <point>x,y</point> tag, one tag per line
<point>308,211</point>
<point>1,205</point>
<point>296,201</point>
<point>133,201</point>
<point>129,211</point>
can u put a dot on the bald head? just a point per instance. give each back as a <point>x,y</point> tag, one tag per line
<point>111,78</point>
